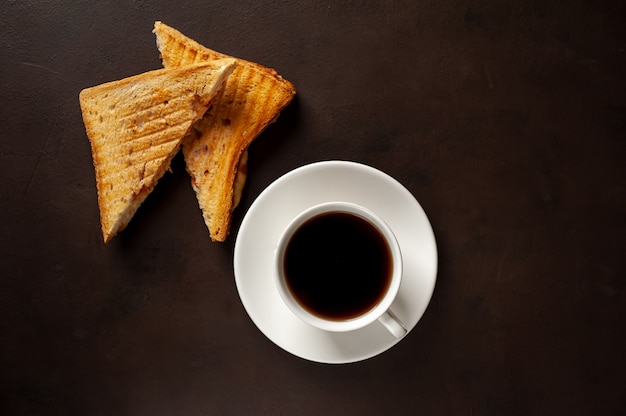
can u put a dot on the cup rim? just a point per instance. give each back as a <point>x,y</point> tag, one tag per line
<point>345,324</point>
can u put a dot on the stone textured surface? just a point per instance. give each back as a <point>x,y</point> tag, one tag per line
<point>507,121</point>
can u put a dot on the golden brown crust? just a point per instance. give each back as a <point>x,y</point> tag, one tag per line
<point>251,99</point>
<point>135,127</point>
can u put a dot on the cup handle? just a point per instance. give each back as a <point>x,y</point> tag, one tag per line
<point>393,324</point>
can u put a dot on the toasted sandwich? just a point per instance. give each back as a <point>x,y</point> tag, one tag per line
<point>216,152</point>
<point>136,126</point>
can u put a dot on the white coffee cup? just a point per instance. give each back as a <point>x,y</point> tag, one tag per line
<point>378,310</point>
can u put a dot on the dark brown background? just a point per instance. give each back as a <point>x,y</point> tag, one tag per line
<point>507,120</point>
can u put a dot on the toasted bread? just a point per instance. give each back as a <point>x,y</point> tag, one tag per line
<point>251,99</point>
<point>136,126</point>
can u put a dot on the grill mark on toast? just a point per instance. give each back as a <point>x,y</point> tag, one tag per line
<point>148,167</point>
<point>161,126</point>
<point>150,118</point>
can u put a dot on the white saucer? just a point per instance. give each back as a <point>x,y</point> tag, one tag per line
<point>283,200</point>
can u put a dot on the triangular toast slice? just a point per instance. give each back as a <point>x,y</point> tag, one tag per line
<point>216,155</point>
<point>136,126</point>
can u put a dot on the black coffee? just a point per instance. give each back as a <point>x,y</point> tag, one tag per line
<point>337,265</point>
